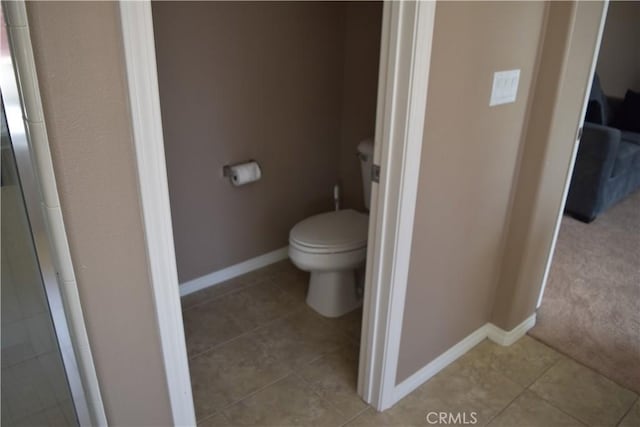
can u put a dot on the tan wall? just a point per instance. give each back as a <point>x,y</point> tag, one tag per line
<point>360,91</point>
<point>546,157</point>
<point>619,59</point>
<point>262,81</point>
<point>469,156</point>
<point>79,58</point>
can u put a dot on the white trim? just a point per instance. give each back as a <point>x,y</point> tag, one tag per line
<point>439,363</point>
<point>489,330</point>
<point>506,338</point>
<point>574,153</point>
<point>144,99</point>
<point>235,270</point>
<point>402,95</point>
<point>45,215</point>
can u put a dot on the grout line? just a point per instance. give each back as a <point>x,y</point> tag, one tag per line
<point>356,415</point>
<point>497,414</point>
<point>244,334</point>
<point>552,404</point>
<point>279,296</point>
<point>555,362</point>
<point>213,414</point>
<point>26,318</point>
<point>570,357</point>
<point>45,408</point>
<point>290,372</point>
<point>524,388</point>
<point>351,339</point>
<point>312,388</point>
<point>247,396</point>
<point>30,358</point>
<point>241,286</point>
<point>235,288</point>
<point>628,411</point>
<point>301,307</point>
<point>223,415</point>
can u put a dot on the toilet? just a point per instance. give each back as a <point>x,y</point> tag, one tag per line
<point>332,246</point>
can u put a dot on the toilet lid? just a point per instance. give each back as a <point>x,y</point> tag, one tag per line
<point>339,230</point>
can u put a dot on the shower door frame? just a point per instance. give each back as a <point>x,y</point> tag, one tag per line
<point>34,165</point>
<point>405,55</point>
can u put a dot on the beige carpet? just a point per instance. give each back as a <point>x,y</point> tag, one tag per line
<point>591,307</point>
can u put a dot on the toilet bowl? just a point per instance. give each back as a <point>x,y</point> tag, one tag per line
<point>332,246</point>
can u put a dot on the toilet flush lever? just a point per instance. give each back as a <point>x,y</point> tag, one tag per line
<point>375,173</point>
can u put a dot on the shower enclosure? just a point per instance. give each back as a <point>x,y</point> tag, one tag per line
<point>35,390</point>
<point>41,384</point>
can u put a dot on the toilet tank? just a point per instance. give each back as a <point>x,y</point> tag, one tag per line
<point>365,154</point>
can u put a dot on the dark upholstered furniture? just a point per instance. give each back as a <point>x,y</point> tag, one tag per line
<point>608,161</point>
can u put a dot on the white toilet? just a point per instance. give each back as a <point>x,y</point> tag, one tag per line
<point>332,246</point>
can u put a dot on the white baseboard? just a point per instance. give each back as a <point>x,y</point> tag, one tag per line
<point>488,330</point>
<point>439,363</point>
<point>235,270</point>
<point>506,338</point>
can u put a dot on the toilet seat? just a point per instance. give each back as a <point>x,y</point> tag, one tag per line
<point>331,232</point>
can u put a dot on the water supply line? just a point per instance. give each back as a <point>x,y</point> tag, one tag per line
<point>336,196</point>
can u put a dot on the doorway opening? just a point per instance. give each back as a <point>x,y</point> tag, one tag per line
<point>589,308</point>
<point>292,87</point>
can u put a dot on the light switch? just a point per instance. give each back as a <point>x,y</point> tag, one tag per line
<point>505,87</point>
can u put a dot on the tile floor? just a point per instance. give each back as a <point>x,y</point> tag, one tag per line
<point>260,357</point>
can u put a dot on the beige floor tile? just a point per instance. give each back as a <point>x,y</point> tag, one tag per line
<point>69,412</point>
<point>26,390</point>
<point>583,393</point>
<point>371,417</point>
<point>464,389</point>
<point>215,420</point>
<point>5,408</point>
<point>258,304</point>
<point>231,372</point>
<point>236,284</point>
<point>277,268</point>
<point>522,362</point>
<point>632,419</point>
<point>51,417</point>
<point>335,377</point>
<point>301,337</point>
<point>207,325</point>
<point>287,403</point>
<point>216,291</point>
<point>410,411</point>
<point>350,323</point>
<point>293,281</point>
<point>467,386</point>
<point>528,410</point>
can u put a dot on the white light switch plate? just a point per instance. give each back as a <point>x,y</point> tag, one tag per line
<point>505,87</point>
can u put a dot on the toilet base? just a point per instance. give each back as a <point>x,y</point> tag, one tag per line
<point>333,293</point>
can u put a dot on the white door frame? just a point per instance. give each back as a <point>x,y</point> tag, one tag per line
<point>574,153</point>
<point>405,55</point>
<point>404,65</point>
<point>144,100</point>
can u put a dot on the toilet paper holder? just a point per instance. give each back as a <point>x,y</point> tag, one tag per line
<point>226,169</point>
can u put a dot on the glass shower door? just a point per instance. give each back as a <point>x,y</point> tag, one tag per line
<point>35,390</point>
